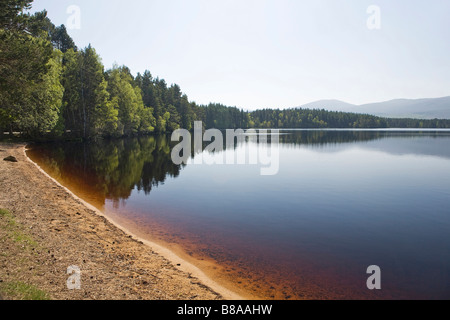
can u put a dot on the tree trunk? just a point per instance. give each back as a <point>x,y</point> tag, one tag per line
<point>1,132</point>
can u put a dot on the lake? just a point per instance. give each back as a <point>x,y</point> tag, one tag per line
<point>342,200</point>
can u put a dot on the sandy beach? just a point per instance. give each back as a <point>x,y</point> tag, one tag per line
<point>58,230</point>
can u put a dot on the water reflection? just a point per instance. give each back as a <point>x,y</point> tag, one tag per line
<point>109,168</point>
<point>113,168</point>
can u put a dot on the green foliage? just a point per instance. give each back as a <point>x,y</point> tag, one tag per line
<point>31,93</point>
<point>130,106</point>
<point>71,81</point>
<point>11,14</point>
<point>172,118</point>
<point>87,108</point>
<point>148,121</point>
<point>46,101</point>
<point>39,25</point>
<point>61,39</point>
<point>106,113</point>
<point>93,90</point>
<point>23,291</point>
<point>15,231</point>
<point>4,213</point>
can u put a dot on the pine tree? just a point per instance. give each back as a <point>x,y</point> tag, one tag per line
<point>12,17</point>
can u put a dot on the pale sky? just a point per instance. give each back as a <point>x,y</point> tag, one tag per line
<point>272,54</point>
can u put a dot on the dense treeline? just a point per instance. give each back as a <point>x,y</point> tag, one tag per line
<point>48,87</point>
<point>306,118</point>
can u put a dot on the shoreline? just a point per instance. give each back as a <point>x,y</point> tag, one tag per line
<point>173,257</point>
<point>186,269</point>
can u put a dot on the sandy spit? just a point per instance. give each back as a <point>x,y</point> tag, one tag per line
<point>66,231</point>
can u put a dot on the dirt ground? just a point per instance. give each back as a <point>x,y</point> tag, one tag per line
<point>48,230</point>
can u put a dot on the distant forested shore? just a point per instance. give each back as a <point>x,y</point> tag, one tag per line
<point>51,88</point>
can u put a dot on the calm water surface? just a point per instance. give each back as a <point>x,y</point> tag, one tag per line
<point>342,201</point>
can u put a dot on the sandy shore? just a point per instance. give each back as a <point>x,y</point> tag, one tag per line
<point>65,231</point>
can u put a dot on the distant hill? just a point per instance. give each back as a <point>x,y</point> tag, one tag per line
<point>400,108</point>
<point>330,105</point>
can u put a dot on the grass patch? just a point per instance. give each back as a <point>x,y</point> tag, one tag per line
<point>4,213</point>
<point>15,230</point>
<point>23,291</point>
<point>23,239</point>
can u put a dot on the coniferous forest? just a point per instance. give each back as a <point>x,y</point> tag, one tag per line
<point>51,88</point>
